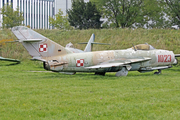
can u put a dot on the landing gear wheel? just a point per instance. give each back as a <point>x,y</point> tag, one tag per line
<point>100,73</point>
<point>157,73</point>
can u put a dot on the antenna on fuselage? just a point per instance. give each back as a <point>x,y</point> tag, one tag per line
<point>134,47</point>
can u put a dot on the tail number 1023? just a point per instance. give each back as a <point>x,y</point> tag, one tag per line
<point>164,58</point>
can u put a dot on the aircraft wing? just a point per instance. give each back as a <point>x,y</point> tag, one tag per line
<point>11,60</point>
<point>119,62</point>
<point>107,65</point>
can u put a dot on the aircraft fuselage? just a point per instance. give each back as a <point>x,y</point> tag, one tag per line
<point>78,62</point>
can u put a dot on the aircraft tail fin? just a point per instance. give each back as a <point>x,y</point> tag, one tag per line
<point>90,43</point>
<point>36,44</point>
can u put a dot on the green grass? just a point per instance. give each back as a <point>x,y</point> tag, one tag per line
<point>25,94</point>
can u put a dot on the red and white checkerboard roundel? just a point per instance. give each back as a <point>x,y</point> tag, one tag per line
<point>80,63</point>
<point>43,48</point>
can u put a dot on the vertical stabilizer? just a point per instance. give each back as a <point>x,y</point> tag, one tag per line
<point>36,44</point>
<point>89,45</point>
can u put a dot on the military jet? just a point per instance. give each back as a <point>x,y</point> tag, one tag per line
<point>88,47</point>
<point>10,60</point>
<point>56,58</point>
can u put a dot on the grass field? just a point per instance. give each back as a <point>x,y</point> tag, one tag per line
<point>26,93</point>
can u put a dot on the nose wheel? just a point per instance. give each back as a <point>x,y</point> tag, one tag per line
<point>157,73</point>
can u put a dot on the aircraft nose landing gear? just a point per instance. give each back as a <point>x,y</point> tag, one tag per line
<point>157,73</point>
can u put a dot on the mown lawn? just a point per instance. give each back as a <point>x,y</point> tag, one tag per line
<point>28,94</point>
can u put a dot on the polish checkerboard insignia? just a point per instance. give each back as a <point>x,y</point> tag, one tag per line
<point>43,48</point>
<point>80,63</point>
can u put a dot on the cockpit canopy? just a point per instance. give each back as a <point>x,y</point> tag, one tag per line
<point>143,47</point>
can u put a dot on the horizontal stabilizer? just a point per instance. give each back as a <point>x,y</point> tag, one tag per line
<point>12,41</point>
<point>31,40</point>
<point>83,43</point>
<point>38,59</point>
<point>95,43</point>
<point>25,40</point>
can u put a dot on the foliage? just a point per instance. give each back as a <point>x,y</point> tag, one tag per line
<point>11,17</point>
<point>60,21</point>
<point>123,13</point>
<point>154,15</point>
<point>84,15</point>
<point>172,9</point>
<point>132,13</point>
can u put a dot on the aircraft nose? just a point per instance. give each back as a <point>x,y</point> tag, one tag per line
<point>175,62</point>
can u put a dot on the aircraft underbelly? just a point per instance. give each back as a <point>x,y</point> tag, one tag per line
<point>135,66</point>
<point>83,69</point>
<point>72,69</point>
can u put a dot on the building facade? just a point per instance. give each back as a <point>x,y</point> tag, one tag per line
<point>36,13</point>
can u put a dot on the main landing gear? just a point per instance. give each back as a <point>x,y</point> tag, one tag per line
<point>157,73</point>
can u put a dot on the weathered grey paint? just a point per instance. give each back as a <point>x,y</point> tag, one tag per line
<point>103,57</point>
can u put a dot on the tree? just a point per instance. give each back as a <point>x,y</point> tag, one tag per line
<point>84,15</point>
<point>11,17</point>
<point>60,21</point>
<point>154,15</point>
<point>131,13</point>
<point>122,13</point>
<point>173,11</point>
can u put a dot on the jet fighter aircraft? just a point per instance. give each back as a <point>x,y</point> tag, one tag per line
<point>142,58</point>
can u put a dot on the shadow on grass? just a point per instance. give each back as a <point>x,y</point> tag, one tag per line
<point>92,76</point>
<point>77,76</point>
